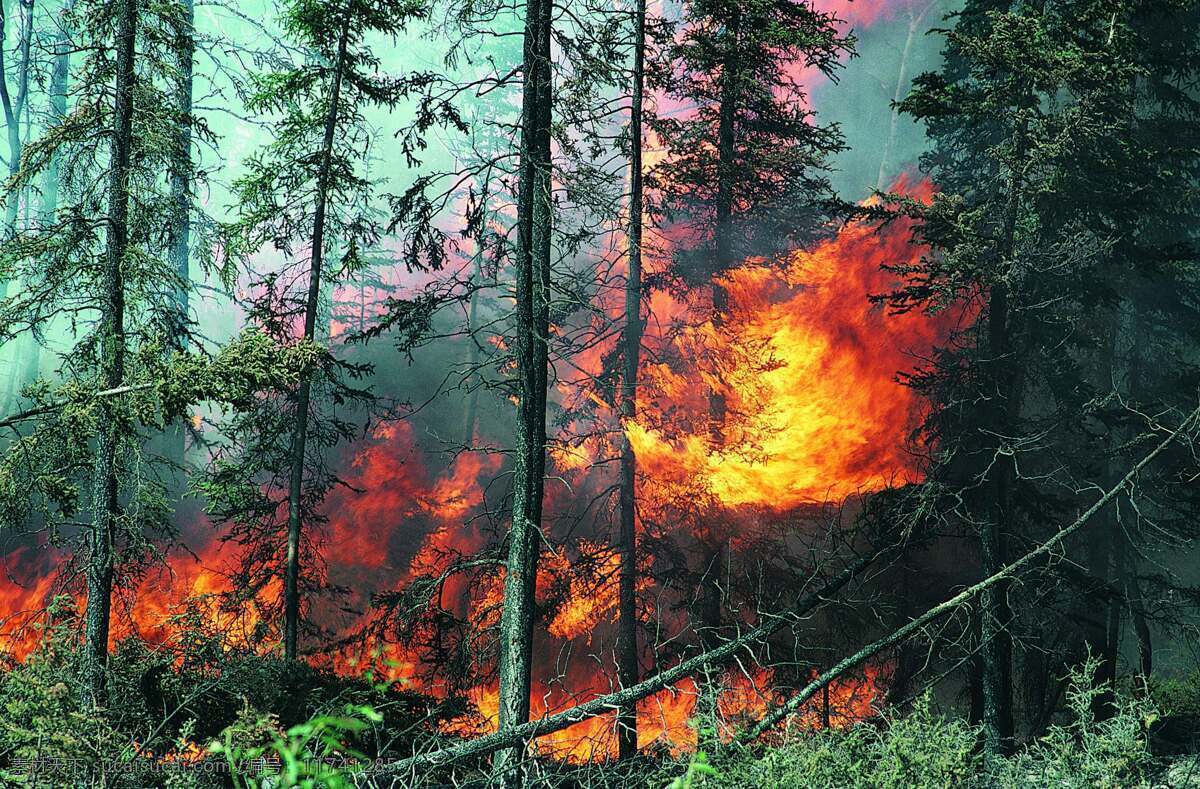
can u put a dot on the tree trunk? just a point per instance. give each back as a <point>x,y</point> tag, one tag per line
<point>291,581</point>
<point>179,239</point>
<point>714,551</point>
<point>13,110</point>
<point>885,159</point>
<point>996,616</point>
<point>1120,569</point>
<point>631,342</point>
<point>101,533</point>
<point>471,415</point>
<point>531,347</point>
<point>57,111</point>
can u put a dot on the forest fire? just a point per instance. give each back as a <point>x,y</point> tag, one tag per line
<point>808,369</point>
<point>807,366</point>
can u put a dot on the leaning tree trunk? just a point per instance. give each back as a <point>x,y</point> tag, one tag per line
<point>98,569</point>
<point>180,176</point>
<point>532,351</point>
<point>885,160</point>
<point>291,579</point>
<point>631,342</point>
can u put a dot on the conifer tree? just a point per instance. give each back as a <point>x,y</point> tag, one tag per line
<point>1050,154</point>
<point>745,167</point>
<point>305,195</point>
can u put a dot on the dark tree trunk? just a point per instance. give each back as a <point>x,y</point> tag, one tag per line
<point>710,591</point>
<point>1006,383</point>
<point>534,214</point>
<point>1118,570</point>
<point>627,643</point>
<point>291,580</point>
<point>102,531</point>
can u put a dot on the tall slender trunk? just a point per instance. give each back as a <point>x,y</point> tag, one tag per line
<point>31,353</point>
<point>180,177</point>
<point>59,75</point>
<point>291,580</point>
<point>712,559</point>
<point>471,411</point>
<point>885,161</point>
<point>995,635</point>
<point>13,110</point>
<point>102,531</point>
<point>471,415</point>
<point>631,343</point>
<point>1117,564</point>
<point>532,347</point>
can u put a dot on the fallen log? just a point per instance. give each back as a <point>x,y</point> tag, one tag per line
<point>482,746</point>
<point>945,607</point>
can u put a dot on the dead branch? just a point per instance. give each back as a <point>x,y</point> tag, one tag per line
<point>526,732</point>
<point>940,610</point>
<point>21,416</point>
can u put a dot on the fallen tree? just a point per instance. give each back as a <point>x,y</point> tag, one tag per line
<point>610,703</point>
<point>958,600</point>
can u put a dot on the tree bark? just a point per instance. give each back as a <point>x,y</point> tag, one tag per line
<point>534,214</point>
<point>291,584</point>
<point>102,531</point>
<point>627,641</point>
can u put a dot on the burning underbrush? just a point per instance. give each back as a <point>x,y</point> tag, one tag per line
<point>815,420</point>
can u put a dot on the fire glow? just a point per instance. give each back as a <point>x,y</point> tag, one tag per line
<point>807,368</point>
<point>808,371</point>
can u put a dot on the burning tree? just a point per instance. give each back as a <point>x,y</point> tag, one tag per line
<point>742,175</point>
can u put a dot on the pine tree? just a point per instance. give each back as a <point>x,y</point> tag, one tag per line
<point>745,165</point>
<point>305,189</point>
<point>1055,179</point>
<point>631,343</point>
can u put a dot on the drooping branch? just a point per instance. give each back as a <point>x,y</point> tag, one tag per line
<point>958,600</point>
<point>30,413</point>
<point>612,702</point>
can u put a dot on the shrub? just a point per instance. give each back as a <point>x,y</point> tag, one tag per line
<point>1086,752</point>
<point>921,749</point>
